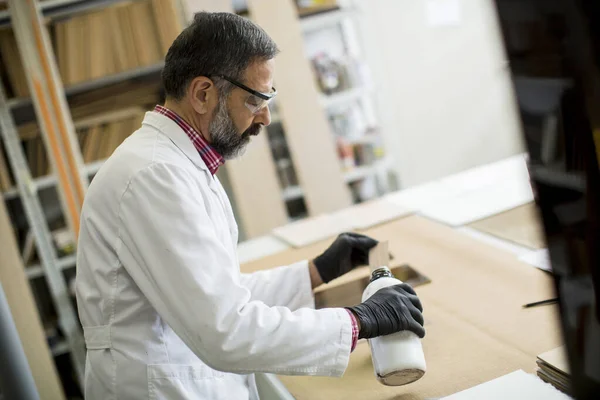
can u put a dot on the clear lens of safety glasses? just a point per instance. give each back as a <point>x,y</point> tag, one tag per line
<point>257,100</point>
<point>255,104</point>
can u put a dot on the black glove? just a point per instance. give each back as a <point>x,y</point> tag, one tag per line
<point>389,310</point>
<point>347,252</point>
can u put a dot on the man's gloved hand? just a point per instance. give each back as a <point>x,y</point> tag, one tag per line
<point>389,310</point>
<point>347,252</point>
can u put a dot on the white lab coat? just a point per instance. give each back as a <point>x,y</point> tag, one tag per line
<point>165,310</point>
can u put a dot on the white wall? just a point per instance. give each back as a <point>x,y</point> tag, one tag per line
<point>444,93</point>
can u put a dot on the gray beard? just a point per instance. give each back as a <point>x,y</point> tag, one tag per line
<point>225,138</point>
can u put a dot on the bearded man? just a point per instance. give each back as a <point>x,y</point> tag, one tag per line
<point>165,310</point>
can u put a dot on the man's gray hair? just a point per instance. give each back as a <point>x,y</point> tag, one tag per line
<point>214,44</point>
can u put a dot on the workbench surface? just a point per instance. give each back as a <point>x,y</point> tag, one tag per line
<point>476,327</point>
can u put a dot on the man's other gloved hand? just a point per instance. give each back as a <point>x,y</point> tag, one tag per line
<point>347,252</point>
<point>389,310</point>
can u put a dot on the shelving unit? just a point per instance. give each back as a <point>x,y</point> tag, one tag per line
<point>343,98</point>
<point>329,18</point>
<point>61,8</point>
<point>364,171</point>
<point>333,25</point>
<point>88,86</point>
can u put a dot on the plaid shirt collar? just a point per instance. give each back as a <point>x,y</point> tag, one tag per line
<point>211,158</point>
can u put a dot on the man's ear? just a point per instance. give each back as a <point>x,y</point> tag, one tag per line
<point>203,94</point>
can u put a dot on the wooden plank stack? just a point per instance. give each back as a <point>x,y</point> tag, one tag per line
<point>92,45</point>
<point>114,39</point>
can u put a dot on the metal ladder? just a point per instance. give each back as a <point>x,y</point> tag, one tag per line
<point>35,216</point>
<point>57,130</point>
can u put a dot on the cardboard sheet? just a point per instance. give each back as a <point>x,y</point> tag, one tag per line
<point>511,247</point>
<point>521,225</point>
<point>453,351</point>
<point>379,256</point>
<point>557,358</point>
<point>515,386</point>
<point>476,327</point>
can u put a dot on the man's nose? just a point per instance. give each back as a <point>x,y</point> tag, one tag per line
<point>263,117</point>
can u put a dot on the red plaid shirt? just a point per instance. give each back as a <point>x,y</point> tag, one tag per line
<point>354,330</point>
<point>211,158</point>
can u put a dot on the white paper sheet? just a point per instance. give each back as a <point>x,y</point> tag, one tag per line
<point>479,192</point>
<point>366,215</point>
<point>538,258</point>
<point>517,385</point>
<point>360,216</point>
<point>313,229</point>
<point>260,247</point>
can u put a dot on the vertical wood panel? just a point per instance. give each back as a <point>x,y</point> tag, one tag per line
<point>257,193</point>
<point>22,305</point>
<point>308,133</point>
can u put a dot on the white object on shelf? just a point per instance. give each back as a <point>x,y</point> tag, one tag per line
<point>364,139</point>
<point>358,173</point>
<point>342,98</point>
<point>292,193</point>
<point>60,348</point>
<point>325,20</point>
<point>363,171</point>
<point>284,163</point>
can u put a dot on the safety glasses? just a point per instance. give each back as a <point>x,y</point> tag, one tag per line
<point>257,100</point>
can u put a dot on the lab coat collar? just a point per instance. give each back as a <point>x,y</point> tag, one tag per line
<point>169,128</point>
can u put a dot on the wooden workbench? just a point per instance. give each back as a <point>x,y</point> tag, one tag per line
<point>476,327</point>
<point>521,225</point>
